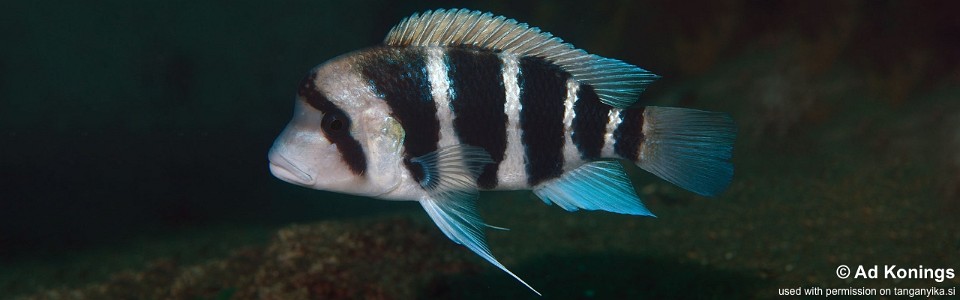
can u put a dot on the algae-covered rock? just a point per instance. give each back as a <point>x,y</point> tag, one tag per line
<point>385,259</point>
<point>382,260</point>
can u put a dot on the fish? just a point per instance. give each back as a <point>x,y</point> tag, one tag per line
<point>456,101</point>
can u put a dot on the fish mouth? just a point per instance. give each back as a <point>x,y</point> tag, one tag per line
<point>282,168</point>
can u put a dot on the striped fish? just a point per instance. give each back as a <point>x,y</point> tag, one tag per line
<point>457,101</point>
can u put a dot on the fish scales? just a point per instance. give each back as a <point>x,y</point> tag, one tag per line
<point>456,101</point>
<point>590,124</point>
<point>542,92</point>
<point>478,106</point>
<point>400,76</point>
<point>477,100</point>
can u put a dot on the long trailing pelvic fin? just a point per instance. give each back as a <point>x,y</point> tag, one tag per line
<point>451,182</point>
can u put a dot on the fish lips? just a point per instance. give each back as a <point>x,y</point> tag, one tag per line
<point>285,170</point>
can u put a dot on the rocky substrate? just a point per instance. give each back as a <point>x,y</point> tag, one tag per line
<point>384,259</point>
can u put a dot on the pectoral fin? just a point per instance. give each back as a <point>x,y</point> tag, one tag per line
<point>451,183</point>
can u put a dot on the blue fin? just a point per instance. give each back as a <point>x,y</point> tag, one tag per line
<point>598,185</point>
<point>451,183</point>
<point>617,83</point>
<point>690,148</point>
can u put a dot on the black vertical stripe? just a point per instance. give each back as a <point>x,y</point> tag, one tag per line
<point>543,87</point>
<point>478,101</point>
<point>349,148</point>
<point>629,134</point>
<point>590,122</point>
<point>399,76</point>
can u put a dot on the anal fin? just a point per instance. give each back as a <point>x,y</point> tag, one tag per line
<point>451,184</point>
<point>598,185</point>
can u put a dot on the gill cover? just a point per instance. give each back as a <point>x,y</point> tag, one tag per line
<point>384,144</point>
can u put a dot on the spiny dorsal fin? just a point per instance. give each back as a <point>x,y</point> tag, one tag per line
<point>618,84</point>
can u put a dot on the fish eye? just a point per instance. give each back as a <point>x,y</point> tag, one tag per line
<point>333,122</point>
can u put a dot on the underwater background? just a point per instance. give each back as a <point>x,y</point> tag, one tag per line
<point>134,138</point>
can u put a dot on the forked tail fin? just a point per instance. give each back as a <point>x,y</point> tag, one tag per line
<point>687,147</point>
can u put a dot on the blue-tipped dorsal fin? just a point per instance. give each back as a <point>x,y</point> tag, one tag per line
<point>451,184</point>
<point>617,83</point>
<point>598,185</point>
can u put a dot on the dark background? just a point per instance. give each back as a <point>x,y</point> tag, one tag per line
<point>125,118</point>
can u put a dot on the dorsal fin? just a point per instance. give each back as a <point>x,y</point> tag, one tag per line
<point>618,84</point>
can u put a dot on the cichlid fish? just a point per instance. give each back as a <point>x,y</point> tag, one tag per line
<point>457,101</point>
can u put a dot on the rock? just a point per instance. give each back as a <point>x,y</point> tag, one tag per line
<point>381,259</point>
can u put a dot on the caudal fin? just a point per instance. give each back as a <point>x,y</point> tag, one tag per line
<point>687,147</point>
